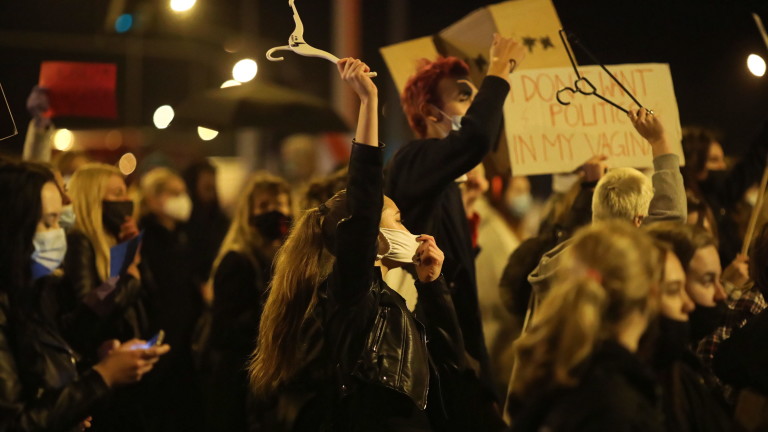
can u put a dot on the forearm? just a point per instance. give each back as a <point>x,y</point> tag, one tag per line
<point>669,201</point>
<point>368,122</point>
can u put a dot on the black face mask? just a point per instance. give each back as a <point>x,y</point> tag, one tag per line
<point>272,225</point>
<point>113,214</point>
<point>704,321</point>
<point>714,181</point>
<point>672,338</point>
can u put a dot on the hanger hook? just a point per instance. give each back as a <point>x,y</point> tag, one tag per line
<point>270,53</point>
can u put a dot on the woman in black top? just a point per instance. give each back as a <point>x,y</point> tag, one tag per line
<point>338,349</point>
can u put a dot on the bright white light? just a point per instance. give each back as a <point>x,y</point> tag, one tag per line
<point>182,5</point>
<point>127,164</point>
<point>756,65</point>
<point>163,116</point>
<point>206,134</point>
<point>230,83</point>
<point>244,70</point>
<point>63,140</point>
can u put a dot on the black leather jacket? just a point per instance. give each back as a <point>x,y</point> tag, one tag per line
<point>40,387</point>
<point>86,319</point>
<point>364,335</point>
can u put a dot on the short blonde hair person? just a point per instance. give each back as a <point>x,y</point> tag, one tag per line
<point>87,188</point>
<point>622,193</point>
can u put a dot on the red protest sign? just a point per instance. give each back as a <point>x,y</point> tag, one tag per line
<point>78,89</point>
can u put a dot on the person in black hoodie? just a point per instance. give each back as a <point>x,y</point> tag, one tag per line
<point>174,300</point>
<point>456,128</point>
<point>576,368</point>
<point>41,385</point>
<point>338,349</point>
<point>241,274</point>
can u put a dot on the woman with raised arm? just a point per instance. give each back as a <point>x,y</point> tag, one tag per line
<point>338,349</point>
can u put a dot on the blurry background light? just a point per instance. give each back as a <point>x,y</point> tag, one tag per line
<point>123,23</point>
<point>206,134</point>
<point>63,140</point>
<point>230,83</point>
<point>163,116</point>
<point>127,164</point>
<point>182,5</point>
<point>244,70</point>
<point>756,65</point>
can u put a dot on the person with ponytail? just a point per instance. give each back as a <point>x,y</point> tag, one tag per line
<point>100,305</point>
<point>576,368</point>
<point>240,276</point>
<point>338,349</point>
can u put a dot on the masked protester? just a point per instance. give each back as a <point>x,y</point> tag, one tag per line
<point>174,297</point>
<point>45,385</point>
<point>240,276</point>
<point>338,349</point>
<point>690,404</point>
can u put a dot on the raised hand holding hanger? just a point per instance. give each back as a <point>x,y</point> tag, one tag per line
<point>297,44</point>
<point>582,84</point>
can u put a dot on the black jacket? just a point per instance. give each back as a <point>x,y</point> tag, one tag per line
<point>616,392</point>
<point>742,359</point>
<point>87,320</point>
<point>371,366</point>
<point>40,387</point>
<point>421,181</point>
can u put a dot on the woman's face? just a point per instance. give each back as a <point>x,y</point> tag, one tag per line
<point>51,202</point>
<point>703,278</point>
<point>456,96</point>
<point>715,157</point>
<point>266,202</point>
<point>390,216</point>
<point>675,302</point>
<point>116,189</point>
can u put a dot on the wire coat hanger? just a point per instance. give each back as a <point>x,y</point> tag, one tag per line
<point>298,45</point>
<point>582,84</point>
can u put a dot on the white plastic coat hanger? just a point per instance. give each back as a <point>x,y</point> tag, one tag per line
<point>297,44</point>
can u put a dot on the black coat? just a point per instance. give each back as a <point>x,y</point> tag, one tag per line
<point>421,181</point>
<point>368,360</point>
<point>742,359</point>
<point>87,321</point>
<point>616,393</point>
<point>40,386</point>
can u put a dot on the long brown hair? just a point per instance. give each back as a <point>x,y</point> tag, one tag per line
<point>608,273</point>
<point>301,265</point>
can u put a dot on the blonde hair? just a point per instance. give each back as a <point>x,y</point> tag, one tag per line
<point>153,183</point>
<point>301,265</point>
<point>622,193</point>
<point>242,236</point>
<point>87,188</point>
<point>609,272</point>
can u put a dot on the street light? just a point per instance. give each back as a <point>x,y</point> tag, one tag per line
<point>756,65</point>
<point>245,70</point>
<point>182,5</point>
<point>163,116</point>
<point>206,134</point>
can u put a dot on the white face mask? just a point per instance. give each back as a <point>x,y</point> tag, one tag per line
<point>455,119</point>
<point>50,249</point>
<point>178,207</point>
<point>400,245</point>
<point>67,217</point>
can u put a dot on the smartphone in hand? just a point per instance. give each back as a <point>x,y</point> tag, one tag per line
<point>156,340</point>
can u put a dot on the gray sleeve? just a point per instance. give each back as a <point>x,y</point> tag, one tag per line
<point>669,201</point>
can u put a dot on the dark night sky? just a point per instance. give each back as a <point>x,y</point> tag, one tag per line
<point>705,42</point>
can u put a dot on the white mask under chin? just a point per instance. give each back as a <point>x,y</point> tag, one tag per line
<point>178,207</point>
<point>401,244</point>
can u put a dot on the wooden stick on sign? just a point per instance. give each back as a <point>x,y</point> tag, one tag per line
<point>755,212</point>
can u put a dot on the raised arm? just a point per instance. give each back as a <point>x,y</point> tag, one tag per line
<point>669,201</point>
<point>424,169</point>
<point>356,235</point>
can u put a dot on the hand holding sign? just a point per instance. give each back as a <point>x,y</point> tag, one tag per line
<point>649,126</point>
<point>505,55</point>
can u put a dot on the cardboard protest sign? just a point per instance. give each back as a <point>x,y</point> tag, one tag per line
<point>78,89</point>
<point>7,123</point>
<point>533,22</point>
<point>545,137</point>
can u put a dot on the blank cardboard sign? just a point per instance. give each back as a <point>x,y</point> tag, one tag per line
<point>77,89</point>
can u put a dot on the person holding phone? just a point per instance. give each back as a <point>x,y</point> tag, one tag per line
<point>42,386</point>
